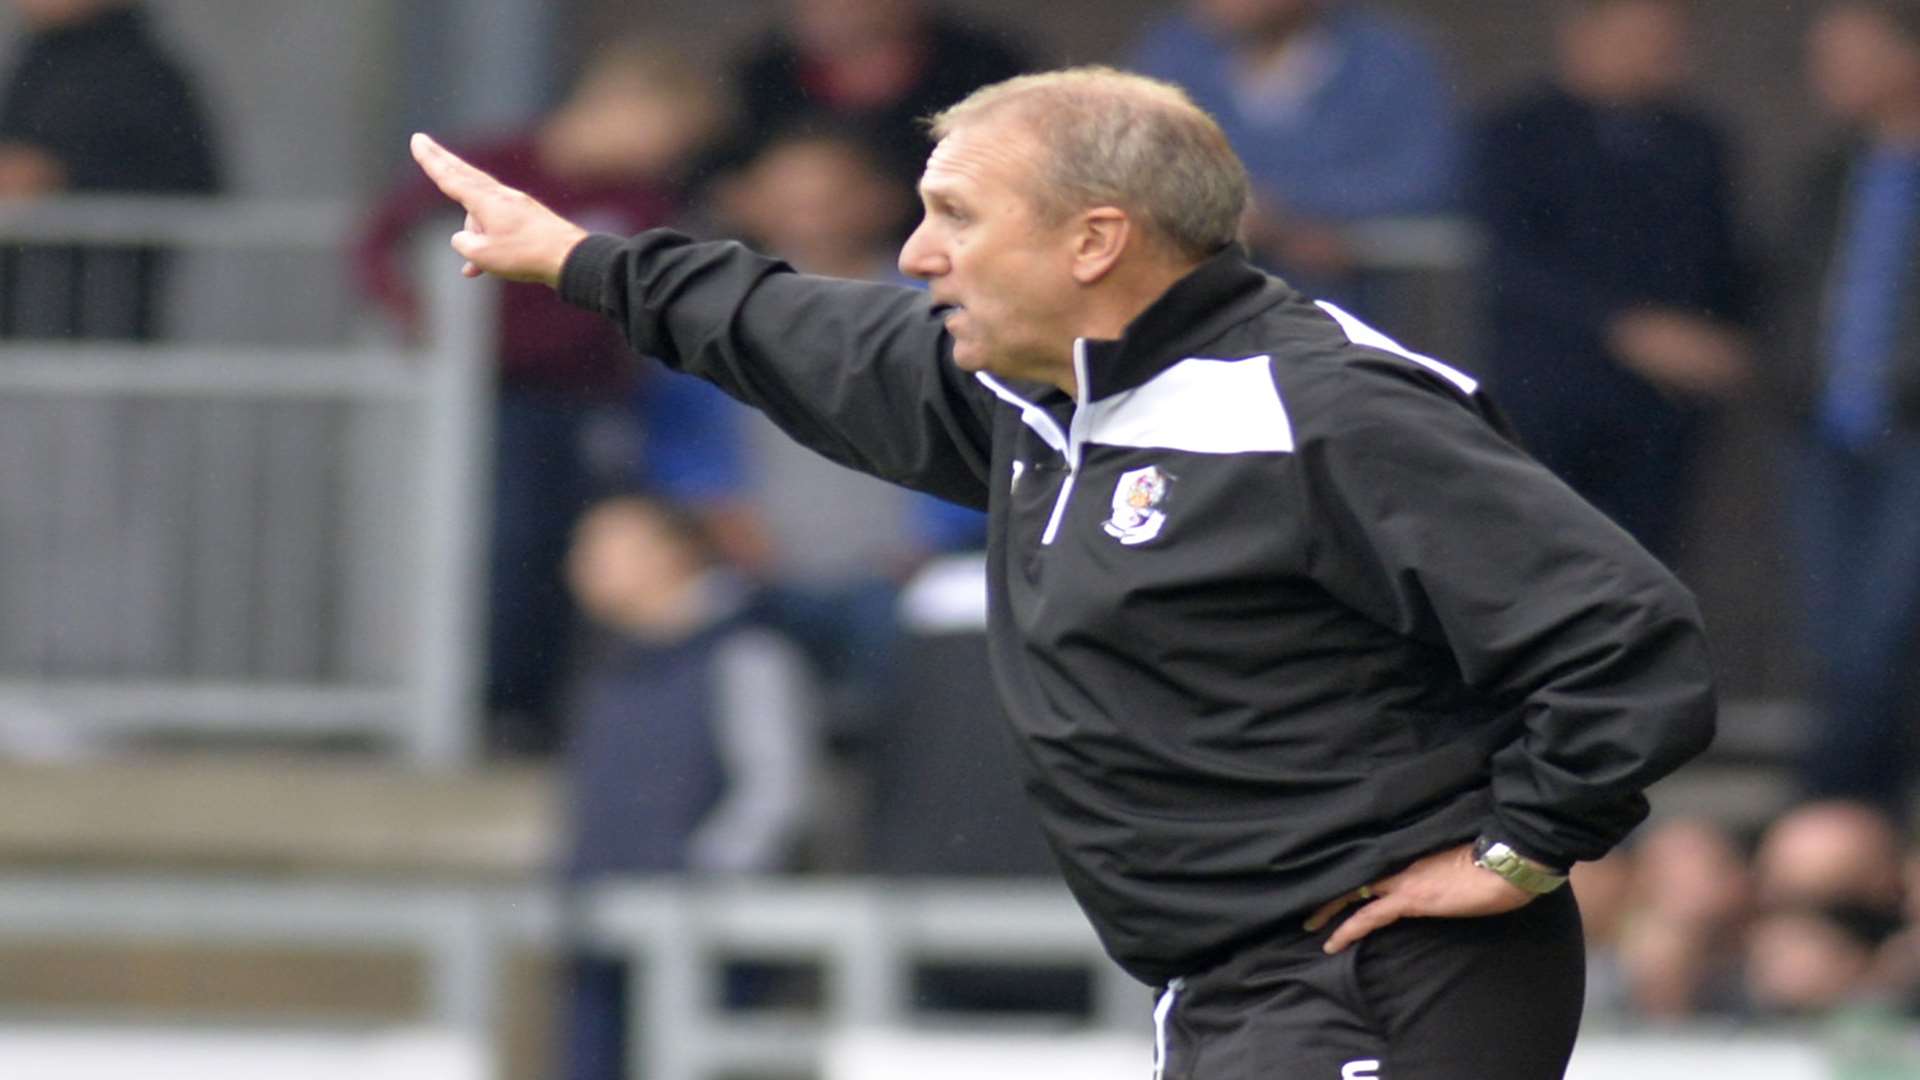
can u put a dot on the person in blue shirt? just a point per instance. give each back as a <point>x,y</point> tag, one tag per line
<point>1341,115</point>
<point>1851,372</point>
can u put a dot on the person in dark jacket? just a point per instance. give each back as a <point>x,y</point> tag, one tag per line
<point>1299,649</point>
<point>1850,373</point>
<point>689,741</point>
<point>94,105</point>
<point>1616,293</point>
<point>876,65</point>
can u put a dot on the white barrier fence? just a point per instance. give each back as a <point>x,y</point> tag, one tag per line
<point>266,539</point>
<point>865,937</point>
<point>31,1053</point>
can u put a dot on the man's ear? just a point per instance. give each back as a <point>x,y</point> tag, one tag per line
<point>1104,235</point>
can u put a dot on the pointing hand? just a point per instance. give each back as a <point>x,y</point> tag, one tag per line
<point>507,232</point>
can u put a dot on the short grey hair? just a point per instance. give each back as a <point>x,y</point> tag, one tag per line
<point>1112,138</point>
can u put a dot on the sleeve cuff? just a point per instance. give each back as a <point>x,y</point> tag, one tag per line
<point>1528,843</point>
<point>589,266</point>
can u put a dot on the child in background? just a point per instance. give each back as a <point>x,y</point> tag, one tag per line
<point>691,733</point>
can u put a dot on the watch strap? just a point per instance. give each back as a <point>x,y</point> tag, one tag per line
<point>1499,857</point>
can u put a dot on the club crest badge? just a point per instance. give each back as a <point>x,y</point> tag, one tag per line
<point>1137,501</point>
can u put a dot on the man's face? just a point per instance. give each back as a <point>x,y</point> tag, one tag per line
<point>836,27</point>
<point>1254,18</point>
<point>1858,63</point>
<point>55,12</point>
<point>1629,50</point>
<point>822,199</point>
<point>984,248</point>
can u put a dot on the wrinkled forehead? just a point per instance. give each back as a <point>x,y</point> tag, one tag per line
<point>994,154</point>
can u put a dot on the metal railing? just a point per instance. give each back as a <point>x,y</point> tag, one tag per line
<point>266,539</point>
<point>864,937</point>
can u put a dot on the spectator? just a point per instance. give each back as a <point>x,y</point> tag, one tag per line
<point>1832,895</point>
<point>1851,370</point>
<point>819,195</point>
<point>613,152</point>
<point>1604,888</point>
<point>882,65</point>
<point>1340,115</point>
<point>1615,289</point>
<point>1681,949</point>
<point>690,743</point>
<point>94,105</point>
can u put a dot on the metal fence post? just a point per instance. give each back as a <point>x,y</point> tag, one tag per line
<point>452,532</point>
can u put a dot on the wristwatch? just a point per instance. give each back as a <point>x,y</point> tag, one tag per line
<point>1498,856</point>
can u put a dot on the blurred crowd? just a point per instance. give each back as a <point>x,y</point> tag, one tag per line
<point>1817,915</point>
<point>639,629</point>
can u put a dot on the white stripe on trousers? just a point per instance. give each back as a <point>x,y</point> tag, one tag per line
<point>1161,1012</point>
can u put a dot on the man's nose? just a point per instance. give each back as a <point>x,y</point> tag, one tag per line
<point>919,257</point>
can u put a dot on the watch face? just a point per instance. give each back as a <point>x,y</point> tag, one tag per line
<point>1500,859</point>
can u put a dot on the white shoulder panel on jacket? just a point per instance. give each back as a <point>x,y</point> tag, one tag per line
<point>1361,334</point>
<point>1201,406</point>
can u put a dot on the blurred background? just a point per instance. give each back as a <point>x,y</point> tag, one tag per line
<point>397,675</point>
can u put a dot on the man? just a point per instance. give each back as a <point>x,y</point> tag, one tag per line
<point>94,105</point>
<point>875,65</point>
<point>1283,622</point>
<point>1342,116</point>
<point>1615,286</point>
<point>1852,361</point>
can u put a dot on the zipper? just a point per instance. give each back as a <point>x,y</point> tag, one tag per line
<point>1068,443</point>
<point>1076,438</point>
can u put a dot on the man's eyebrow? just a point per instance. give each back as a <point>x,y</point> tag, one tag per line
<point>940,198</point>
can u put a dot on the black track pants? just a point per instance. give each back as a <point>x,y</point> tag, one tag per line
<point>1493,998</point>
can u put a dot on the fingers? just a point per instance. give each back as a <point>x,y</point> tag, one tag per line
<point>1333,907</point>
<point>1370,917</point>
<point>460,181</point>
<point>467,242</point>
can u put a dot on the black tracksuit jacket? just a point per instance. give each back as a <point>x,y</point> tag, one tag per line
<point>1276,607</point>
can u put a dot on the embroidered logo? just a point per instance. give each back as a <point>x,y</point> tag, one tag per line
<point>1137,500</point>
<point>1361,1070</point>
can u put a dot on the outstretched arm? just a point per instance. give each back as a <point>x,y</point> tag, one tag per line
<point>508,233</point>
<point>856,371</point>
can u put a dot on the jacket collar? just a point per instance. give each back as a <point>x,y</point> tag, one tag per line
<point>1220,293</point>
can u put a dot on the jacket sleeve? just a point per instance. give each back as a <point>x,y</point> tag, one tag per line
<point>1428,520</point>
<point>859,372</point>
